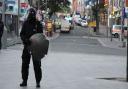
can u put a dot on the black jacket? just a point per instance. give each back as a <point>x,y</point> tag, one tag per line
<point>30,28</point>
<point>1,28</point>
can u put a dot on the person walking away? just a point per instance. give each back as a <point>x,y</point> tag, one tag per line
<point>1,32</point>
<point>30,26</point>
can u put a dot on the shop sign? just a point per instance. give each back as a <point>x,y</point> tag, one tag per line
<point>126,1</point>
<point>10,2</point>
<point>126,12</point>
<point>25,5</point>
<point>11,7</point>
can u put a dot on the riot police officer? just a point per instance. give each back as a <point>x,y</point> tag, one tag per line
<point>30,27</point>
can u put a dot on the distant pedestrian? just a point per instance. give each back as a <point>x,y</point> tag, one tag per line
<point>30,26</point>
<point>1,32</point>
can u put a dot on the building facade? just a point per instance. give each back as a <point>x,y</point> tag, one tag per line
<point>78,6</point>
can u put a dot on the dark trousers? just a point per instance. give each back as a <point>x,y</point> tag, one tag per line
<point>0,43</point>
<point>25,66</point>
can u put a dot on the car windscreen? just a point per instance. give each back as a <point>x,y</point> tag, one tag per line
<point>116,27</point>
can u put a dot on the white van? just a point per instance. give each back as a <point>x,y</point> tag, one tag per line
<point>65,26</point>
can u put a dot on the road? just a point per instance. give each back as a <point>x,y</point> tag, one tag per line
<point>75,42</point>
<point>73,62</point>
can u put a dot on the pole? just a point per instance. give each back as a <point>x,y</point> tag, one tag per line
<point>38,4</point>
<point>46,5</point>
<point>127,57</point>
<point>127,51</point>
<point>18,18</point>
<point>122,24</point>
<point>110,18</point>
<point>3,11</point>
<point>97,17</point>
<point>4,37</point>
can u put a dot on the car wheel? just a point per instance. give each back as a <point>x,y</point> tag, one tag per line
<point>116,35</point>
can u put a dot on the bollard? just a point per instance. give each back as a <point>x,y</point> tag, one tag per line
<point>123,44</point>
<point>4,38</point>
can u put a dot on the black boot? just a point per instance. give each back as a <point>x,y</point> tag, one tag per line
<point>38,85</point>
<point>23,84</point>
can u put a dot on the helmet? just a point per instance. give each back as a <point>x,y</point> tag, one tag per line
<point>31,14</point>
<point>32,11</point>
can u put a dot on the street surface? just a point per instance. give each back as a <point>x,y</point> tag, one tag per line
<point>74,61</point>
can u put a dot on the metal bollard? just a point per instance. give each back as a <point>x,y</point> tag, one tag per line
<point>4,38</point>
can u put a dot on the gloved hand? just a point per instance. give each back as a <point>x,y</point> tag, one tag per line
<point>27,42</point>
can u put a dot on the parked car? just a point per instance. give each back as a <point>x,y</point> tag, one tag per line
<point>84,23</point>
<point>65,26</point>
<point>78,21</point>
<point>116,30</point>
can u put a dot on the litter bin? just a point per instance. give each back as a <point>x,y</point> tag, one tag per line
<point>49,27</point>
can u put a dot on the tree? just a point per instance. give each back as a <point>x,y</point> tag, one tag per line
<point>56,5</point>
<point>96,8</point>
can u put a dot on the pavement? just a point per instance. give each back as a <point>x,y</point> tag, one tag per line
<point>65,71</point>
<point>104,38</point>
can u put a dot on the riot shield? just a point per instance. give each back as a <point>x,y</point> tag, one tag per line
<point>39,46</point>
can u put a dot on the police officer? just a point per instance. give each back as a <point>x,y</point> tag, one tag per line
<point>30,27</point>
<point>1,31</point>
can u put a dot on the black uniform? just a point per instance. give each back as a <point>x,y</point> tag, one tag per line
<point>30,27</point>
<point>1,32</point>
